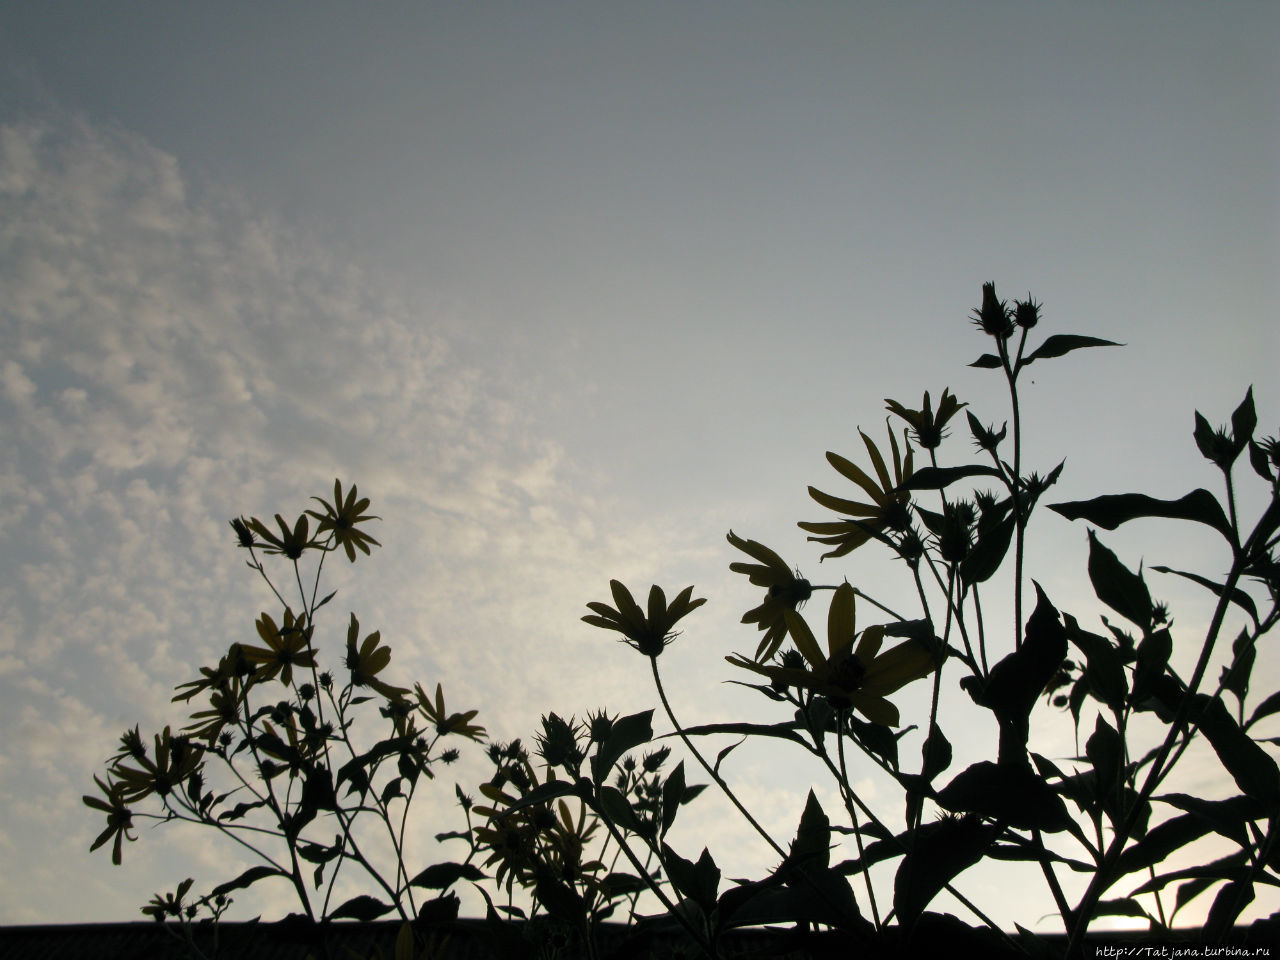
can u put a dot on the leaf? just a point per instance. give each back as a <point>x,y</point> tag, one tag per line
<point>1152,657</point>
<point>617,809</point>
<point>1231,899</point>
<point>1105,752</point>
<point>392,789</point>
<point>1117,586</point>
<point>988,553</point>
<point>698,881</point>
<point>1124,907</point>
<point>1103,669</point>
<point>362,907</point>
<point>1017,681</point>
<point>1227,817</point>
<point>1266,708</point>
<point>542,793</point>
<point>1236,677</point>
<point>783,731</point>
<point>1063,343</point>
<point>1011,793</point>
<point>935,754</point>
<point>438,876</point>
<point>627,733</point>
<point>1243,421</point>
<point>1188,891</point>
<point>316,853</point>
<point>1160,842</point>
<point>240,809</point>
<point>1237,596</point>
<point>1249,765</point>
<point>439,909</point>
<point>1112,510</point>
<point>988,361</point>
<point>939,478</point>
<point>942,851</point>
<point>672,796</point>
<point>252,875</point>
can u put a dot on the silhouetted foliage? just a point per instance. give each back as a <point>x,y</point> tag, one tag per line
<point>579,821</point>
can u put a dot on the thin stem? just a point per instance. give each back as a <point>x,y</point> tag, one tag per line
<point>724,787</point>
<point>847,790</point>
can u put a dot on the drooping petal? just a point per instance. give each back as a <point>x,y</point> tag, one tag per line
<point>841,623</point>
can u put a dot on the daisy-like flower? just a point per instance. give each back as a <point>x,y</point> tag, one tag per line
<point>288,646</point>
<point>367,662</point>
<point>650,634</point>
<point>176,758</point>
<point>928,427</point>
<point>787,590</point>
<point>851,678</point>
<point>119,817</point>
<point>340,519</point>
<point>888,509</point>
<point>445,722</point>
<point>290,543</point>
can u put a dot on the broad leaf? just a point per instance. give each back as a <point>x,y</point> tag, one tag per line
<point>362,907</point>
<point>441,875</point>
<point>252,875</point>
<point>942,851</point>
<point>1112,510</point>
<point>1117,586</point>
<point>627,733</point>
<point>1237,596</point>
<point>1063,343</point>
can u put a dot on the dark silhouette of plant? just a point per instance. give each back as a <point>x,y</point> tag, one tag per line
<point>579,822</point>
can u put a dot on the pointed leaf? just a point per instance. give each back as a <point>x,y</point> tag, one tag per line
<point>1063,343</point>
<point>441,875</point>
<point>988,361</point>
<point>1112,510</point>
<point>1249,765</point>
<point>1117,586</point>
<point>250,876</point>
<point>362,907</point>
<point>627,733</point>
<point>1237,596</point>
<point>939,478</point>
<point>941,852</point>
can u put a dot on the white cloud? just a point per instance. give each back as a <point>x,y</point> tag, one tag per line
<point>172,360</point>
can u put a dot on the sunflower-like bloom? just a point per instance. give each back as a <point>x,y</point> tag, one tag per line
<point>650,634</point>
<point>119,817</point>
<point>888,509</point>
<point>340,519</point>
<point>859,678</point>
<point>928,427</point>
<point>534,840</point>
<point>368,661</point>
<point>288,646</point>
<point>176,758</point>
<point>445,722</point>
<point>224,709</point>
<point>290,543</point>
<point>787,590</point>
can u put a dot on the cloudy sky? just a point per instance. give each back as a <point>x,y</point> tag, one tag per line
<point>570,290</point>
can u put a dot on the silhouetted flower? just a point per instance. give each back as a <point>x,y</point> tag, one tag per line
<point>993,316</point>
<point>290,543</point>
<point>119,817</point>
<point>445,722</point>
<point>369,660</point>
<point>340,519</point>
<point>858,678</point>
<point>1026,313</point>
<point>175,760</point>
<point>928,426</point>
<point>888,509</point>
<point>786,591</point>
<point>288,646</point>
<point>650,634</point>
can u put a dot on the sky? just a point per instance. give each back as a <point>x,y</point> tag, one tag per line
<point>570,290</point>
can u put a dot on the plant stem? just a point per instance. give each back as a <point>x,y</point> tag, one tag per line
<point>724,787</point>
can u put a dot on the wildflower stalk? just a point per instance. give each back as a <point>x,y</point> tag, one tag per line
<point>724,787</point>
